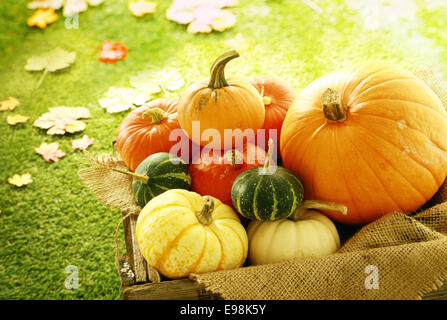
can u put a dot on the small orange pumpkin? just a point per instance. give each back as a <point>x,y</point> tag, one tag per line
<point>277,97</point>
<point>146,131</point>
<point>219,104</point>
<point>372,137</point>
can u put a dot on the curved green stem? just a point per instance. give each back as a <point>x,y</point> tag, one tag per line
<point>142,177</point>
<point>217,78</point>
<point>317,205</point>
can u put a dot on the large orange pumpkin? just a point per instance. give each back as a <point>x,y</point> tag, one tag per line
<point>146,131</point>
<point>372,137</point>
<point>277,97</point>
<point>218,103</point>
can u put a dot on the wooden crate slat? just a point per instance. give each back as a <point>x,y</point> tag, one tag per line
<point>139,264</point>
<point>183,289</point>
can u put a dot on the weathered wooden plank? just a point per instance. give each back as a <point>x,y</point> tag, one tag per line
<point>184,289</point>
<point>139,264</point>
<point>125,271</point>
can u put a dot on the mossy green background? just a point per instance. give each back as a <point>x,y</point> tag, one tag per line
<point>55,221</point>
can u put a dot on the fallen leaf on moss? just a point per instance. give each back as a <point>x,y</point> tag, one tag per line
<point>111,52</point>
<point>60,120</point>
<point>16,119</point>
<point>10,104</point>
<point>41,18</point>
<point>152,82</point>
<point>140,8</point>
<point>50,152</point>
<point>20,180</point>
<point>118,99</point>
<point>201,15</point>
<point>50,61</point>
<point>83,143</point>
<point>70,7</point>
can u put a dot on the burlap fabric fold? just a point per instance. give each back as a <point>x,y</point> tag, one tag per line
<point>396,257</point>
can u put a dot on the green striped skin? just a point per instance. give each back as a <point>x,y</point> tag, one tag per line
<point>163,175</point>
<point>267,197</point>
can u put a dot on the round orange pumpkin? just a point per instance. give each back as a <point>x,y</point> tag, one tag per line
<point>372,137</point>
<point>277,97</point>
<point>218,103</point>
<point>213,171</point>
<point>146,131</point>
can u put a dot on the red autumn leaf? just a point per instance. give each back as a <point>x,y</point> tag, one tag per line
<point>83,143</point>
<point>111,52</point>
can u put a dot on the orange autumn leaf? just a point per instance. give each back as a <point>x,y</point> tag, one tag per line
<point>83,143</point>
<point>111,52</point>
<point>10,104</point>
<point>50,152</point>
<point>20,180</point>
<point>42,17</point>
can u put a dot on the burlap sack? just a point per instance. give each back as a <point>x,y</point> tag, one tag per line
<point>396,257</point>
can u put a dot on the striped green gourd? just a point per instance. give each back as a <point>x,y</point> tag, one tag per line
<point>158,173</point>
<point>259,194</point>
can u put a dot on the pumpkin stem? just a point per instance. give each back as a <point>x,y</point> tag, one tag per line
<point>234,157</point>
<point>269,154</point>
<point>317,205</point>
<point>205,216</point>
<point>333,109</point>
<point>156,114</point>
<point>217,78</point>
<point>142,177</point>
<point>267,100</point>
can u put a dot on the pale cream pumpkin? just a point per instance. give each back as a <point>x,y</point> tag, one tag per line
<point>180,232</point>
<point>308,233</point>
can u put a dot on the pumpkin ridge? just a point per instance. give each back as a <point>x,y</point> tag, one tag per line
<point>161,259</point>
<point>409,127</point>
<point>192,268</point>
<point>244,249</point>
<point>373,172</point>
<point>275,202</point>
<point>295,199</point>
<point>339,165</point>
<point>255,207</point>
<point>357,96</point>
<point>211,227</point>
<point>408,155</point>
<point>366,79</point>
<point>389,163</point>
<point>441,113</point>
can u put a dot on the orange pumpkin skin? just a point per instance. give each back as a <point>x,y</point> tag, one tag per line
<point>213,175</point>
<point>277,97</point>
<point>139,137</point>
<point>218,103</point>
<point>389,154</point>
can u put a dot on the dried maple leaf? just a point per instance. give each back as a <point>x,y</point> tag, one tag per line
<point>122,99</point>
<point>154,81</point>
<point>63,119</point>
<point>83,143</point>
<point>50,152</point>
<point>70,7</point>
<point>16,119</point>
<point>41,18</point>
<point>140,8</point>
<point>202,16</point>
<point>111,52</point>
<point>20,180</point>
<point>9,104</point>
<point>50,61</point>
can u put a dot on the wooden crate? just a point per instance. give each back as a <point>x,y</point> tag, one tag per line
<point>147,284</point>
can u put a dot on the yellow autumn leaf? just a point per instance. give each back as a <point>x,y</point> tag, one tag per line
<point>16,119</point>
<point>140,8</point>
<point>20,180</point>
<point>9,104</point>
<point>42,17</point>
